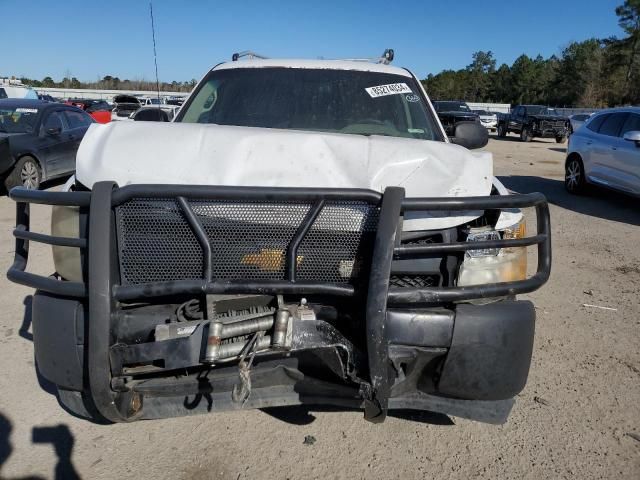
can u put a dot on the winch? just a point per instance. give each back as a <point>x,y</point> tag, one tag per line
<point>233,321</point>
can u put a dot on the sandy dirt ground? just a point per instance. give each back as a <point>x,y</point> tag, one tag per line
<point>578,417</point>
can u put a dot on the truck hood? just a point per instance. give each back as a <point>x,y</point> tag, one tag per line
<point>176,153</point>
<point>455,114</point>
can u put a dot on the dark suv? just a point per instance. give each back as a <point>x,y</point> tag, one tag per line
<point>532,121</point>
<point>453,112</point>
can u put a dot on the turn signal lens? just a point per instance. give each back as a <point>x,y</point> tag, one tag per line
<point>269,259</point>
<point>519,230</point>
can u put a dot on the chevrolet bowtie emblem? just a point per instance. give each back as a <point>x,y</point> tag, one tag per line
<point>269,259</point>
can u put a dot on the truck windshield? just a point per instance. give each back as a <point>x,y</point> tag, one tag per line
<point>323,100</point>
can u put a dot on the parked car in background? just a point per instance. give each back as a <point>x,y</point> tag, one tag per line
<point>38,140</point>
<point>160,113</point>
<point>98,109</point>
<point>10,88</point>
<point>534,121</point>
<point>124,106</point>
<point>175,100</point>
<point>489,120</point>
<point>453,112</point>
<point>606,151</point>
<point>46,98</point>
<point>144,101</point>
<point>577,120</point>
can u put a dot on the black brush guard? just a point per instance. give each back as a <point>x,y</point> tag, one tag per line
<point>103,287</point>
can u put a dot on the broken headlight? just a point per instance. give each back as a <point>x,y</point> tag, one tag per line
<point>494,265</point>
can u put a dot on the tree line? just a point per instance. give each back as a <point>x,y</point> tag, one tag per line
<point>109,82</point>
<point>592,73</point>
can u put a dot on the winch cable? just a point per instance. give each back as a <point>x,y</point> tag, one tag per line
<point>241,392</point>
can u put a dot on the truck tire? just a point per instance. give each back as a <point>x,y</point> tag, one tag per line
<point>561,139</point>
<point>502,130</point>
<point>574,180</point>
<point>26,173</point>
<point>525,136</point>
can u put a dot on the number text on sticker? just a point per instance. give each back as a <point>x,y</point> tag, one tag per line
<point>391,89</point>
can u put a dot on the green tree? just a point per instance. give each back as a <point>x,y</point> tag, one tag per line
<point>30,82</point>
<point>479,71</point>
<point>629,20</point>
<point>501,82</point>
<point>523,75</point>
<point>579,78</point>
<point>447,85</point>
<point>629,48</point>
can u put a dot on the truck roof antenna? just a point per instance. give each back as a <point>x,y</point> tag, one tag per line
<point>155,56</point>
<point>247,53</point>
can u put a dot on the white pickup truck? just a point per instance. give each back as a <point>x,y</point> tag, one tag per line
<point>303,232</point>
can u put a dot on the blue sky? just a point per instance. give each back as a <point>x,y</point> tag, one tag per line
<point>91,39</point>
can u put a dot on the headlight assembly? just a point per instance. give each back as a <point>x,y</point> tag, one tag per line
<point>494,265</point>
<point>65,222</point>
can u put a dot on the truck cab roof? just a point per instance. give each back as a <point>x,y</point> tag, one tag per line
<point>358,65</point>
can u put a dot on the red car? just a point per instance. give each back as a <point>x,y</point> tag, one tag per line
<point>98,109</point>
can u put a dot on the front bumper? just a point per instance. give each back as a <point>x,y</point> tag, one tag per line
<point>479,354</point>
<point>543,131</point>
<point>491,125</point>
<point>421,347</point>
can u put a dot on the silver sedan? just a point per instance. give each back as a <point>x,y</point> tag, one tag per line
<point>606,152</point>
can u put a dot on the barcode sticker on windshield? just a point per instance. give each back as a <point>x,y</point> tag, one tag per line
<point>391,89</point>
<point>26,110</point>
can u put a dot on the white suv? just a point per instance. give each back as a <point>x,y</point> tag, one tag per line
<point>606,151</point>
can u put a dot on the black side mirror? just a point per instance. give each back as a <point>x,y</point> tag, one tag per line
<point>470,135</point>
<point>54,131</point>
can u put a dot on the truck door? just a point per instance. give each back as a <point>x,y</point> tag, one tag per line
<point>517,119</point>
<point>53,142</point>
<point>605,150</point>
<point>78,122</point>
<point>626,156</point>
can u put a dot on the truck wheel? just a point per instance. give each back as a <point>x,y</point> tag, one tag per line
<point>574,180</point>
<point>525,136</point>
<point>26,173</point>
<point>561,139</point>
<point>502,131</point>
